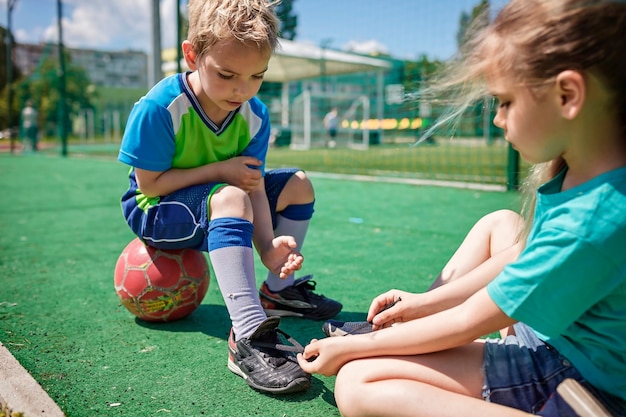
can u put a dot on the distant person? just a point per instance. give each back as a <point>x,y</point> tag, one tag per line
<point>29,126</point>
<point>558,70</point>
<point>331,124</point>
<point>197,144</point>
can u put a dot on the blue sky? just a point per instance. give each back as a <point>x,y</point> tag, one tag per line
<point>402,28</point>
<point>405,28</point>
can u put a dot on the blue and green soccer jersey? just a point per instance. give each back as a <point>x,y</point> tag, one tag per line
<point>168,128</point>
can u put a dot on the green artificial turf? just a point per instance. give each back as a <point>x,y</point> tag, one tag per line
<point>62,231</point>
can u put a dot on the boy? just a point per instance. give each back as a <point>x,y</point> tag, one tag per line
<point>197,144</point>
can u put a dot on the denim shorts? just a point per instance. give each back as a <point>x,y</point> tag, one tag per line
<point>523,372</point>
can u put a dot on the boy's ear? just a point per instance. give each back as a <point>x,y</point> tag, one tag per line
<point>190,55</point>
<point>572,90</point>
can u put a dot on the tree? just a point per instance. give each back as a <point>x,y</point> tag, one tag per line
<point>3,57</point>
<point>478,19</point>
<point>288,20</point>
<point>43,88</point>
<point>468,21</point>
<point>464,23</point>
<point>4,75</point>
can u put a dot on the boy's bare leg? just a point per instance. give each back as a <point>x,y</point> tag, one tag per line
<point>297,191</point>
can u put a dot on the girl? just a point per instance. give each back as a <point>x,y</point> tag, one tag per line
<point>559,74</point>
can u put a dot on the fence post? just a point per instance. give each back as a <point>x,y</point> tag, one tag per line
<point>512,170</point>
<point>9,52</point>
<point>62,83</point>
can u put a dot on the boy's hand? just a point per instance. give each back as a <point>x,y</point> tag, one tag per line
<point>281,258</point>
<point>241,172</point>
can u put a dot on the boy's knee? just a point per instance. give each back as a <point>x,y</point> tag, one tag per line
<point>230,201</point>
<point>302,179</point>
<point>300,187</point>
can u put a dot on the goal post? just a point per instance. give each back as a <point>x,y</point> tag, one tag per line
<point>308,129</point>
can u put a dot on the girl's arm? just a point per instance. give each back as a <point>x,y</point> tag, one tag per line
<point>475,317</point>
<point>414,306</point>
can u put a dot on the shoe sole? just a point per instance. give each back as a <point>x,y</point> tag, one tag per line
<point>337,329</point>
<point>297,385</point>
<point>282,313</point>
<point>288,313</point>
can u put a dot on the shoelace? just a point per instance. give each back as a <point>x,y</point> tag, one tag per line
<point>295,346</point>
<point>307,288</point>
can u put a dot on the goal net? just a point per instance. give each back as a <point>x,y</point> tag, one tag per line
<point>308,128</point>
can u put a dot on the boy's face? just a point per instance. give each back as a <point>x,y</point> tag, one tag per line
<point>226,76</point>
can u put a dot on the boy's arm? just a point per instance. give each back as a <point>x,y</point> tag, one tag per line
<point>236,171</point>
<point>153,183</point>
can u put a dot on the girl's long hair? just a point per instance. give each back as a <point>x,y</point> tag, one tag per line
<point>532,41</point>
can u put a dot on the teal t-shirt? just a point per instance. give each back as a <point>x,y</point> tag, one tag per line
<point>569,284</point>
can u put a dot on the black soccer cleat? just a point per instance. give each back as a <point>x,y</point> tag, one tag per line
<point>265,362</point>
<point>298,300</point>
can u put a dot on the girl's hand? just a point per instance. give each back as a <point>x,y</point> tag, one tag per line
<point>392,307</point>
<point>281,258</point>
<point>323,356</point>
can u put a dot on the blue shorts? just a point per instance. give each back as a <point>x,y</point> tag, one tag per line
<point>180,220</point>
<point>523,372</point>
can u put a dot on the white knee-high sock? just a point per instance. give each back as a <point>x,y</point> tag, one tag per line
<point>232,258</point>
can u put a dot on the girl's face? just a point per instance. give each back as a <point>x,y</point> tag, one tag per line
<point>226,76</point>
<point>531,121</point>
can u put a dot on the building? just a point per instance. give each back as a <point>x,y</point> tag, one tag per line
<point>115,69</point>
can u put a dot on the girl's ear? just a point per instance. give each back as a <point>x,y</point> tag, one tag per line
<point>572,90</point>
<point>189,55</point>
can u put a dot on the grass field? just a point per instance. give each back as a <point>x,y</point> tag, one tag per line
<point>62,231</point>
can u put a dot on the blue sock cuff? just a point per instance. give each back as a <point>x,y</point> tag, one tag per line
<point>299,211</point>
<point>230,231</point>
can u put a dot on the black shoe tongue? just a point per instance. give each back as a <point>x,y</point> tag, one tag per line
<point>274,356</point>
<point>266,334</point>
<point>269,325</point>
<point>307,280</point>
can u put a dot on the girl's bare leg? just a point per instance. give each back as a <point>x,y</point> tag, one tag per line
<point>447,383</point>
<point>493,233</point>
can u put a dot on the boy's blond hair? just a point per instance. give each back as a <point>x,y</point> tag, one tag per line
<point>249,21</point>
